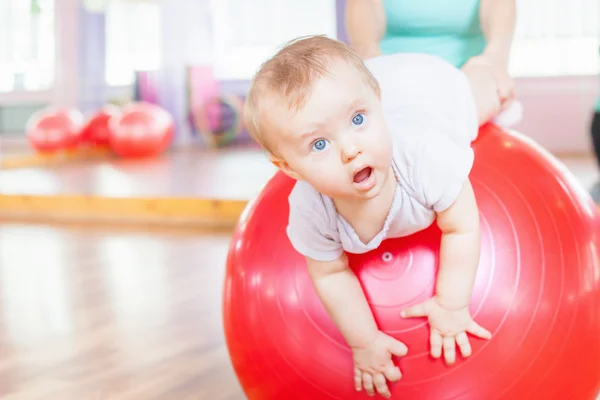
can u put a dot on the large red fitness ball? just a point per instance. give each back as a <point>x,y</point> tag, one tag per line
<point>54,128</point>
<point>141,130</point>
<point>537,290</point>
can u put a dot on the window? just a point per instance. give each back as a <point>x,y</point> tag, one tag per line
<point>556,37</point>
<point>132,40</point>
<point>245,33</point>
<point>27,45</point>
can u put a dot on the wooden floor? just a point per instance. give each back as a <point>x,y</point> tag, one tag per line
<point>94,312</point>
<point>186,186</point>
<point>183,187</point>
<point>233,174</point>
<point>90,313</point>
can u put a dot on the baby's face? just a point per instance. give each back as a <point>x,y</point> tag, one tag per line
<point>338,142</point>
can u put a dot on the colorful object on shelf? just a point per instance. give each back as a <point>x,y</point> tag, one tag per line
<point>219,119</point>
<point>145,87</point>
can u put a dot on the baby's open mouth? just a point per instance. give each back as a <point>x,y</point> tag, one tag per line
<point>363,175</point>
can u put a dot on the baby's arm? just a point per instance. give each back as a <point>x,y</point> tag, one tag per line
<point>442,164</point>
<point>448,311</point>
<point>313,232</point>
<point>459,252</point>
<point>340,292</point>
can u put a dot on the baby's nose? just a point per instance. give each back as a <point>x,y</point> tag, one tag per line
<point>350,150</point>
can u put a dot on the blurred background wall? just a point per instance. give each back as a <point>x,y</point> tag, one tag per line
<point>85,53</point>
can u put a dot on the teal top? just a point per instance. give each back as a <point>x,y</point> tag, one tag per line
<point>597,106</point>
<point>446,28</point>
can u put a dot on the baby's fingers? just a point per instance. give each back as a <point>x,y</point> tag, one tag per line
<point>367,381</point>
<point>418,310</point>
<point>396,347</point>
<point>477,330</point>
<point>381,385</point>
<point>463,344</point>
<point>435,341</point>
<point>449,350</point>
<point>358,379</point>
<point>392,373</point>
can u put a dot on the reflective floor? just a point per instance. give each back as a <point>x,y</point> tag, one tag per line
<point>234,174</point>
<point>103,313</point>
<point>96,313</point>
<point>91,313</point>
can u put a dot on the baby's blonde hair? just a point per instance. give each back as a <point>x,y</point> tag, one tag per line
<point>289,76</point>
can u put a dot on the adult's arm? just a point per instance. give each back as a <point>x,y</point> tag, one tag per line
<point>365,26</point>
<point>498,20</point>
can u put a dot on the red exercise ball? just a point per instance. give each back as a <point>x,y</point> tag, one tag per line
<point>54,128</point>
<point>141,130</point>
<point>537,291</point>
<point>96,130</point>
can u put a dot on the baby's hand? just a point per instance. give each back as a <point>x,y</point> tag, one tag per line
<point>447,328</point>
<point>373,364</point>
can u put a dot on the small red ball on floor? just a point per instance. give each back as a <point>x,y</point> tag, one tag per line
<point>141,130</point>
<point>96,130</point>
<point>54,128</point>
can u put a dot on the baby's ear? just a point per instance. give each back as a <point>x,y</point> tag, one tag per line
<point>281,164</point>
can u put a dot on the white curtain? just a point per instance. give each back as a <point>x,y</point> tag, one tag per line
<point>557,37</point>
<point>27,45</point>
<point>133,32</point>
<point>245,32</point>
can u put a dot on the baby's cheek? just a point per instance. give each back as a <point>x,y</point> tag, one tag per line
<point>320,170</point>
<point>379,136</point>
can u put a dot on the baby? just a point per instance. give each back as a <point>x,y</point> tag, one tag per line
<point>380,149</point>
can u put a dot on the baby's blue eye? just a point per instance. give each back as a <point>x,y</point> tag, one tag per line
<point>320,145</point>
<point>358,119</point>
